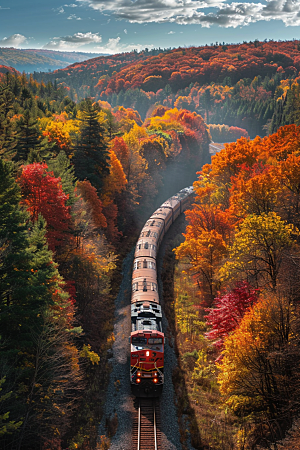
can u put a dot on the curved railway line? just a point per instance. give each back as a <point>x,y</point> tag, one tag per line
<point>146,425</point>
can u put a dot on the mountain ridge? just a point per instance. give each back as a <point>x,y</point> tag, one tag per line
<point>41,60</point>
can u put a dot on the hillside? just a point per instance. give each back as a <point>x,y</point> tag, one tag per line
<point>11,70</point>
<point>243,85</point>
<point>182,66</point>
<point>89,76</point>
<point>39,60</point>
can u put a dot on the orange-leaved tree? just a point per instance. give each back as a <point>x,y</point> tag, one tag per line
<point>89,194</point>
<point>204,253</point>
<point>254,190</point>
<point>114,185</point>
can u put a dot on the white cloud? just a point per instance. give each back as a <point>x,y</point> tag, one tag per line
<point>72,5</point>
<point>171,32</point>
<point>141,11</point>
<point>184,12</point>
<point>59,10</point>
<point>73,42</point>
<point>74,17</point>
<point>3,8</point>
<point>241,14</point>
<point>13,41</point>
<point>114,46</point>
<point>125,31</point>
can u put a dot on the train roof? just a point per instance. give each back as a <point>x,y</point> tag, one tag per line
<point>146,323</point>
<point>154,333</point>
<point>145,309</point>
<point>177,197</point>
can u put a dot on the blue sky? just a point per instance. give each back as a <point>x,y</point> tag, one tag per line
<point>112,26</point>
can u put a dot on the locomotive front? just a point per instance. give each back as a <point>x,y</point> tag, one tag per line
<point>147,363</point>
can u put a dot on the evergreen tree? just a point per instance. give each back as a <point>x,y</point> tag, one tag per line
<point>62,168</point>
<point>12,234</point>
<point>30,146</point>
<point>26,268</point>
<point>47,356</point>
<point>91,156</point>
<point>24,279</point>
<point>7,134</point>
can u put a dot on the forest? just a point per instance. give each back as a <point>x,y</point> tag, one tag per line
<point>241,248</point>
<point>77,182</point>
<point>253,85</point>
<point>85,154</point>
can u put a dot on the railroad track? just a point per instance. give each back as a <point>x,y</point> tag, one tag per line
<point>146,425</point>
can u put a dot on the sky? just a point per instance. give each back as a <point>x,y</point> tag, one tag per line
<point>114,26</point>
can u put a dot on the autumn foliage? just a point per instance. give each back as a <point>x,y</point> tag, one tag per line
<point>228,310</point>
<point>180,67</point>
<point>88,175</point>
<point>42,194</point>
<point>249,197</point>
<point>89,194</point>
<point>224,133</point>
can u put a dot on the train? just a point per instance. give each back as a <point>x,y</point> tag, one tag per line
<point>147,339</point>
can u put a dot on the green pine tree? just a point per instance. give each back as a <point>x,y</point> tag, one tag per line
<point>91,156</point>
<point>7,133</point>
<point>62,168</point>
<point>31,147</point>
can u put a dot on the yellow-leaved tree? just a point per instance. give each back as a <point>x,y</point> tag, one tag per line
<point>261,244</point>
<point>259,372</point>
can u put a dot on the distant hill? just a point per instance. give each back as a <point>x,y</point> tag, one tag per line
<point>5,69</point>
<point>88,76</point>
<point>155,69</point>
<point>252,85</point>
<point>39,60</point>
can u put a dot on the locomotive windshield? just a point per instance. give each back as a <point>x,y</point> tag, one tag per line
<point>155,341</point>
<point>138,340</point>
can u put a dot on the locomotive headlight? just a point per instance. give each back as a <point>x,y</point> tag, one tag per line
<point>147,353</point>
<point>138,380</point>
<point>138,374</point>
<point>155,380</point>
<point>155,374</point>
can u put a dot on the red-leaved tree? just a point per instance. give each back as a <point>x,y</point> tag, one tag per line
<point>228,310</point>
<point>42,193</point>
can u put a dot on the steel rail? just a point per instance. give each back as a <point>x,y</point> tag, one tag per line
<point>146,437</point>
<point>139,426</point>
<point>154,426</point>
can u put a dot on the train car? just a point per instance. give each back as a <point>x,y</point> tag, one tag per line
<point>147,337</point>
<point>144,281</point>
